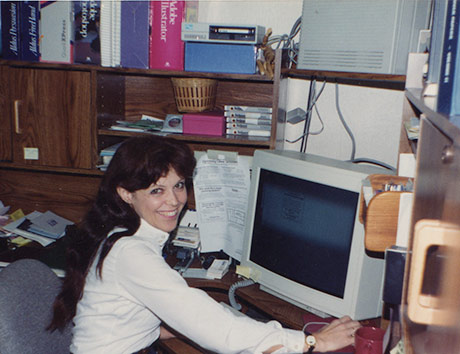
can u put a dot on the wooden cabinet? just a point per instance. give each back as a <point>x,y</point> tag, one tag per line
<point>6,147</point>
<point>50,118</point>
<point>55,119</point>
<point>431,296</point>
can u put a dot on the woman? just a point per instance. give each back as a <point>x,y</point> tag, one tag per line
<point>118,288</point>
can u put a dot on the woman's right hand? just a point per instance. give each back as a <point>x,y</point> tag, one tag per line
<point>336,335</point>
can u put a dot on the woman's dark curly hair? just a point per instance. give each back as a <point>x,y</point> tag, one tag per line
<point>137,163</point>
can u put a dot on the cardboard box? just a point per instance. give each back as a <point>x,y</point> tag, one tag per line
<point>204,123</point>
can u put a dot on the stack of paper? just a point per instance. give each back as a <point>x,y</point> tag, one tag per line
<point>43,228</point>
<point>188,237</point>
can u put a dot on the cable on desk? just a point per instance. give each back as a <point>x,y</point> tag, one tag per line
<point>233,288</point>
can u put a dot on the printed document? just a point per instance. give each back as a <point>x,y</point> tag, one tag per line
<point>221,189</point>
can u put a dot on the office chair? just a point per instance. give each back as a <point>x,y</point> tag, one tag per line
<point>27,291</point>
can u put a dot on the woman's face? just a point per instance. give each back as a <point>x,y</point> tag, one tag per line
<point>161,203</point>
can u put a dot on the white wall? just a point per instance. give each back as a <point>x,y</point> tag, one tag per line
<point>373,115</point>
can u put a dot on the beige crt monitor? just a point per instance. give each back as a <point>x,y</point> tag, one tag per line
<point>303,240</point>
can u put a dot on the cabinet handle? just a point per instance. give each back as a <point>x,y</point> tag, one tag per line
<point>442,307</point>
<point>17,129</point>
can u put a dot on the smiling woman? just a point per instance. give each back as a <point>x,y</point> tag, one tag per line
<point>119,290</point>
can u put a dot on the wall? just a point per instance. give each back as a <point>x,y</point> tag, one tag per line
<point>373,115</point>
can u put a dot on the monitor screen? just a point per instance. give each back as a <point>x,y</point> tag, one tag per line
<point>304,220</point>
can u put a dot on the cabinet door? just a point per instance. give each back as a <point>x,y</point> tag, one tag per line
<point>432,295</point>
<point>51,114</point>
<point>6,152</point>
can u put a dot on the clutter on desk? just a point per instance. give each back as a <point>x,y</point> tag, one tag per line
<point>44,228</point>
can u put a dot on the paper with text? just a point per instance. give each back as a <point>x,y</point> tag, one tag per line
<point>221,192</point>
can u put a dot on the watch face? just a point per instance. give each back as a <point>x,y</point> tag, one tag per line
<point>311,340</point>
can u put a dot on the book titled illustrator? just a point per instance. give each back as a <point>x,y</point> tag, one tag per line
<point>166,46</point>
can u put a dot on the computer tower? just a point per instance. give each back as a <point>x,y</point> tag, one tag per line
<point>369,36</point>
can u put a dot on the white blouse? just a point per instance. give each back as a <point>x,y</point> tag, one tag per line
<point>122,311</point>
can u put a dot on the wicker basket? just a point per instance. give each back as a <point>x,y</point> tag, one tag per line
<point>194,94</point>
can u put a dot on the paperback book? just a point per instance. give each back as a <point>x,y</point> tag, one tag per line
<point>10,29</point>
<point>87,31</point>
<point>56,31</point>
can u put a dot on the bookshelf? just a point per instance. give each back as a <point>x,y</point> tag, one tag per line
<point>55,119</point>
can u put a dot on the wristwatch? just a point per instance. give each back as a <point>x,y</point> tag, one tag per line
<point>310,341</point>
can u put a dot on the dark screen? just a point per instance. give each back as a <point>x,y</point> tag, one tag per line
<point>303,231</point>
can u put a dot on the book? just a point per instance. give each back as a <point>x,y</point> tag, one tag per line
<point>47,224</point>
<point>116,33</point>
<point>254,121</point>
<point>10,29</point>
<point>106,32</point>
<point>87,18</point>
<point>0,30</point>
<point>135,30</point>
<point>436,41</point>
<point>248,126</point>
<point>248,108</point>
<point>29,15</point>
<point>241,114</point>
<point>448,101</point>
<point>248,132</point>
<point>56,31</point>
<point>166,50</point>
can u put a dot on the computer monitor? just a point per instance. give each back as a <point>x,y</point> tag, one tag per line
<point>303,239</point>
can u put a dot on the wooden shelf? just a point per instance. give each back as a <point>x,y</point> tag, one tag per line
<point>387,81</point>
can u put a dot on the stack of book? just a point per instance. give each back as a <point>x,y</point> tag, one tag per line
<point>248,120</point>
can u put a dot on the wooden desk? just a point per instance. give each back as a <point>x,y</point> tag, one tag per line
<point>287,314</point>
<point>249,297</point>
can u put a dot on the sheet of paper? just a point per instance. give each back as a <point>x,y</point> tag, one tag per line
<point>221,192</point>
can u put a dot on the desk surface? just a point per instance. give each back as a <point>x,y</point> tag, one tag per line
<point>250,297</point>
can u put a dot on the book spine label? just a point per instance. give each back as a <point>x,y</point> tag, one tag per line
<point>248,132</point>
<point>87,41</point>
<point>10,29</point>
<point>236,114</point>
<point>248,126</point>
<point>448,81</point>
<point>166,46</point>
<point>253,121</point>
<point>29,30</point>
<point>248,109</point>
